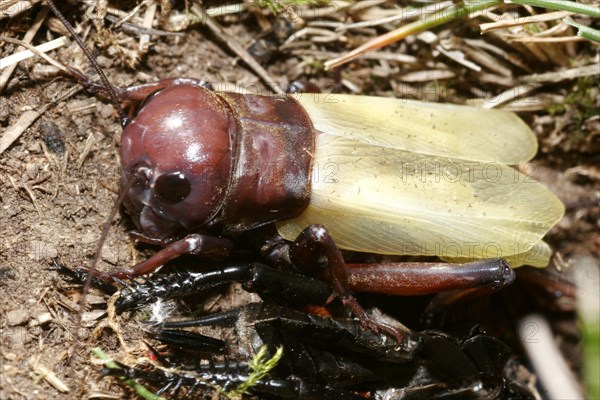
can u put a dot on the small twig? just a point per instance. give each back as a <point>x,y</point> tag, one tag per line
<point>531,19</point>
<point>459,57</point>
<point>238,49</point>
<point>555,30</point>
<point>568,74</point>
<point>486,60</point>
<point>533,39</point>
<point>38,50</point>
<point>11,9</point>
<point>6,74</point>
<point>510,94</point>
<point>138,29</point>
<point>13,132</point>
<point>127,16</point>
<point>89,142</point>
<point>33,198</point>
<point>318,36</point>
<point>48,375</point>
<point>148,18</point>
<point>402,15</point>
<point>27,118</point>
<point>427,75</point>
<point>378,55</point>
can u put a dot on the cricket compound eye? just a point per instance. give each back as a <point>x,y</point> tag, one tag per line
<point>172,188</point>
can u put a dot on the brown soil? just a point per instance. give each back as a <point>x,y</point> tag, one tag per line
<point>59,179</point>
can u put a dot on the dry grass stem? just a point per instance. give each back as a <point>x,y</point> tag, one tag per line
<point>567,74</point>
<point>148,19</point>
<point>48,375</point>
<point>7,72</point>
<point>508,21</point>
<point>38,50</point>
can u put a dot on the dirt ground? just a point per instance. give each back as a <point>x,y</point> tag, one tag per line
<point>59,179</point>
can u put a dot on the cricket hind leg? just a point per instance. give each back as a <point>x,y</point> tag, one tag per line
<point>315,247</point>
<point>315,242</point>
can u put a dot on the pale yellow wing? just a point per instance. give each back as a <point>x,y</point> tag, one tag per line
<point>426,128</point>
<point>389,201</point>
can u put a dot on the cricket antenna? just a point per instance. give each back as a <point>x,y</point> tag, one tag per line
<point>112,93</point>
<point>92,271</point>
<point>114,98</point>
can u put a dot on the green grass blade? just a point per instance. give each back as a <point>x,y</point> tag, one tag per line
<point>139,389</point>
<point>562,5</point>
<point>584,30</point>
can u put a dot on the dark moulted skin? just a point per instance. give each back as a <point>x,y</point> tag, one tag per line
<point>218,162</point>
